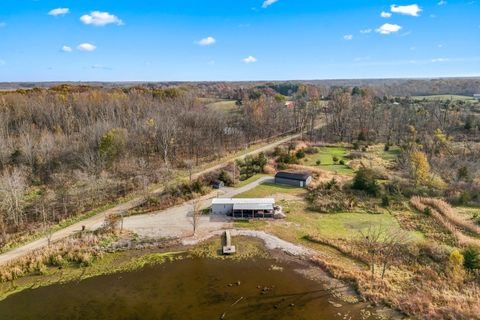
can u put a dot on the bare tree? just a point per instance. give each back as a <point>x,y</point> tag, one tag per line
<point>190,165</point>
<point>381,247</point>
<point>12,190</point>
<point>196,214</point>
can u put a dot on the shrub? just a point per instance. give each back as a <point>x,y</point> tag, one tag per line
<point>386,147</point>
<point>300,154</point>
<point>385,201</point>
<point>197,186</point>
<point>455,266</point>
<point>342,162</point>
<point>427,211</point>
<point>335,159</point>
<point>471,257</point>
<point>281,166</point>
<point>365,180</point>
<point>225,177</point>
<point>318,162</point>
<point>288,159</point>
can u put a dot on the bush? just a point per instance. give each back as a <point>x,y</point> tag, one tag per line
<point>197,186</point>
<point>225,177</point>
<point>365,180</point>
<point>385,201</point>
<point>335,159</point>
<point>288,159</point>
<point>252,165</point>
<point>342,162</point>
<point>281,166</point>
<point>300,154</point>
<point>318,162</point>
<point>471,257</point>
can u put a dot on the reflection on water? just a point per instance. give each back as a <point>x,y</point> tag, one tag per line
<point>185,289</point>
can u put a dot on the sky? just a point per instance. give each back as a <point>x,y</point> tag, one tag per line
<point>213,40</point>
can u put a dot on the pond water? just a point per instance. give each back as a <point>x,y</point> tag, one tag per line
<point>186,289</point>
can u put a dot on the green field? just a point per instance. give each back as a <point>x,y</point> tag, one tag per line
<point>326,155</point>
<point>270,189</point>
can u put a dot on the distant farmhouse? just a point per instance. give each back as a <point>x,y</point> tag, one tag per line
<point>476,96</point>
<point>294,179</point>
<point>245,208</point>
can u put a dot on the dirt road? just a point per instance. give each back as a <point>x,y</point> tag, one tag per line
<point>177,221</point>
<point>95,221</point>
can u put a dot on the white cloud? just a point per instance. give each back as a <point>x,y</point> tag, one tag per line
<point>388,28</point>
<point>67,49</point>
<point>366,31</point>
<point>348,37</point>
<point>59,12</point>
<point>385,14</point>
<point>436,60</point>
<point>86,47</point>
<point>2,24</point>
<point>410,10</point>
<point>100,67</point>
<point>100,19</point>
<point>442,3</point>
<point>249,59</point>
<point>208,41</point>
<point>268,3</point>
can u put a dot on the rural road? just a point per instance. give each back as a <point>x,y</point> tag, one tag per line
<point>136,222</point>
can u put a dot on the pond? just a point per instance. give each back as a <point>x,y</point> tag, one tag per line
<point>193,288</point>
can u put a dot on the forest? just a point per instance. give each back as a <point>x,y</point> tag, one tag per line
<point>409,162</point>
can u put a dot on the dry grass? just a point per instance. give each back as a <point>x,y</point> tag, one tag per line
<point>74,251</point>
<point>321,175</point>
<point>447,211</point>
<point>421,204</point>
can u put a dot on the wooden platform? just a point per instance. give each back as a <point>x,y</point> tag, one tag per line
<point>228,248</point>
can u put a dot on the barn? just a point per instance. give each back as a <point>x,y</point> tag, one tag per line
<point>294,179</point>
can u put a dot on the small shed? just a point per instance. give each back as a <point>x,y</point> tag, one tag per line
<point>218,184</point>
<point>295,179</point>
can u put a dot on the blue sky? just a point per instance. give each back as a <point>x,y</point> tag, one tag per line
<point>160,40</point>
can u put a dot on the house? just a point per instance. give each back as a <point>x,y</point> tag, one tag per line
<point>294,179</point>
<point>290,104</point>
<point>476,96</point>
<point>244,208</point>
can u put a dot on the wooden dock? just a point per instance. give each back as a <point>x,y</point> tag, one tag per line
<point>227,247</point>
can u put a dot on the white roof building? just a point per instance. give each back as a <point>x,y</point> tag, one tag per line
<point>251,208</point>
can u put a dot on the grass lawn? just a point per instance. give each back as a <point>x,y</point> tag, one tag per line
<point>250,180</point>
<point>270,189</point>
<point>344,225</point>
<point>326,155</point>
<point>392,154</point>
